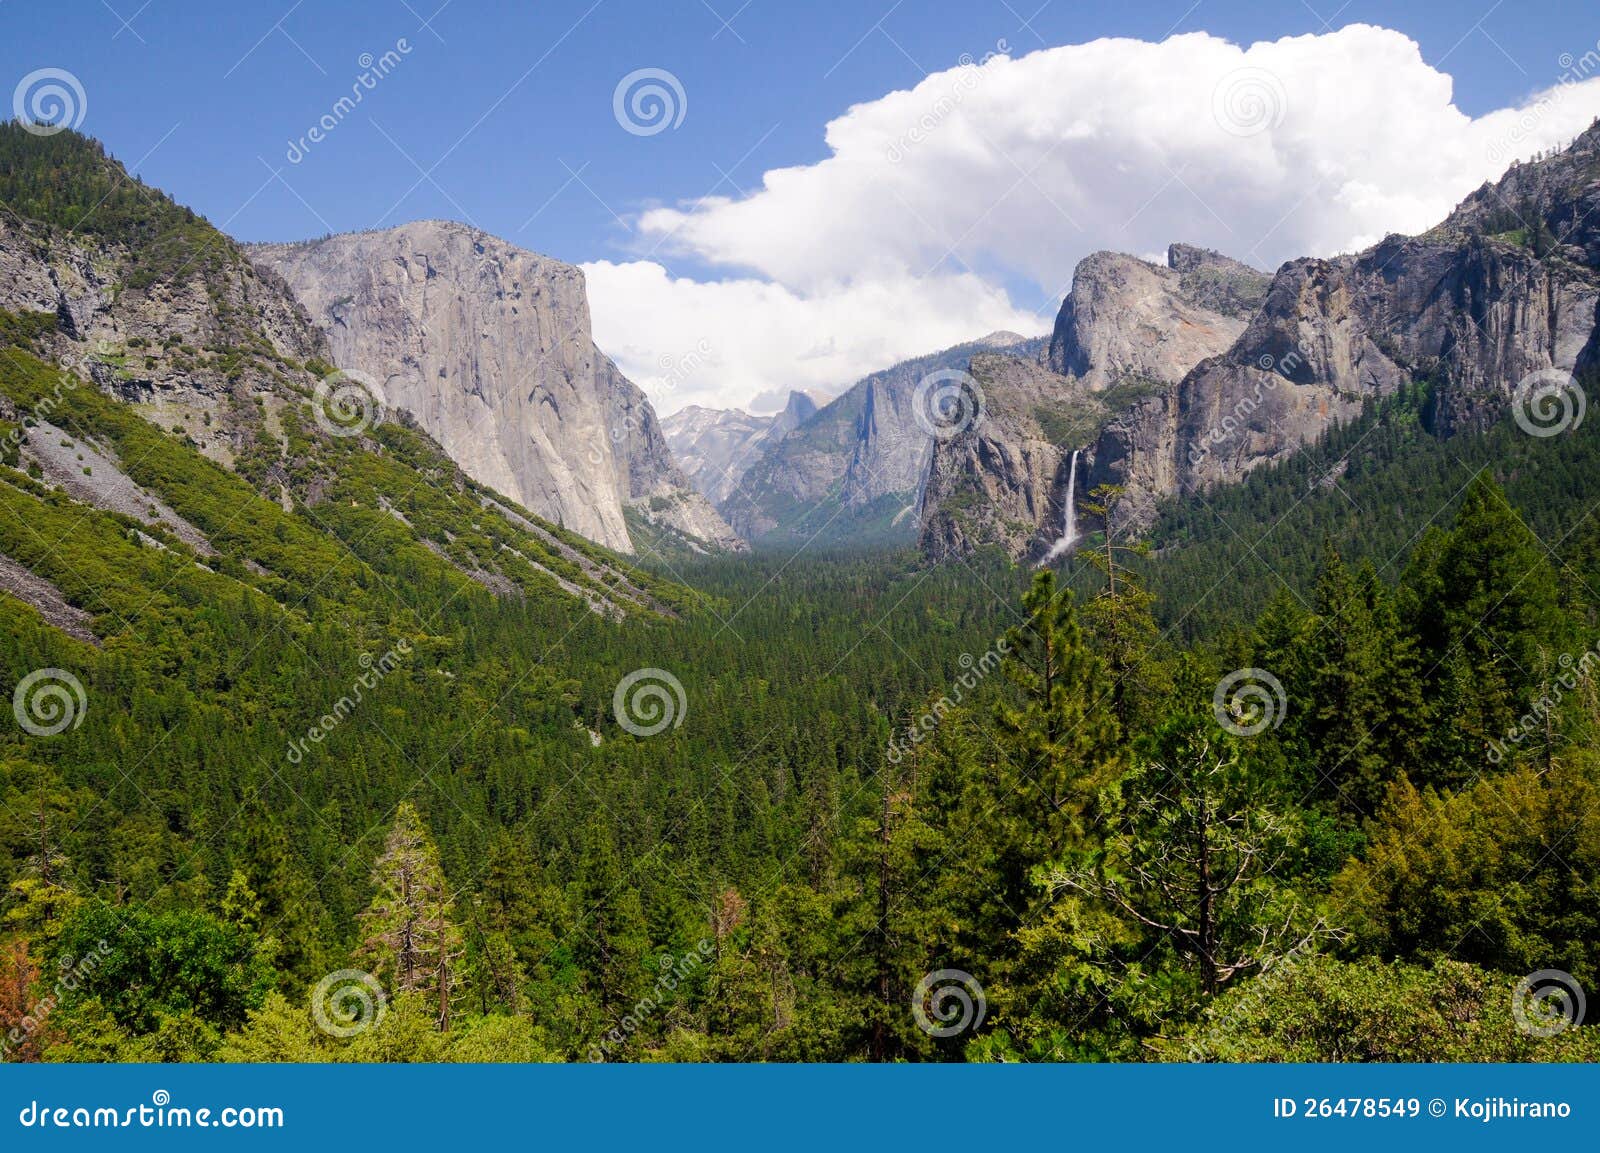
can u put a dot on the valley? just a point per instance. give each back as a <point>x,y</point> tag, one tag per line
<point>1206,680</point>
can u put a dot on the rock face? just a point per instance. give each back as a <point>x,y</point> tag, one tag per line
<point>1128,318</point>
<point>1507,286</point>
<point>1127,333</point>
<point>489,347</point>
<point>151,342</point>
<point>168,318</point>
<point>1306,360</point>
<point>855,470</point>
<point>715,447</point>
<point>1003,482</point>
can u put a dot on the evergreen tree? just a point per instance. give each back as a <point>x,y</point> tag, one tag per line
<point>611,944</point>
<point>410,922</point>
<point>1187,847</point>
<point>1060,741</point>
<point>1120,618</point>
<point>1489,586</point>
<point>1366,687</point>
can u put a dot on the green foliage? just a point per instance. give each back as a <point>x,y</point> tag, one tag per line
<point>148,969</point>
<point>1372,488</point>
<point>1061,742</point>
<point>1322,1009</point>
<point>25,330</point>
<point>66,181</point>
<point>245,809</point>
<point>1190,841</point>
<point>1502,874</point>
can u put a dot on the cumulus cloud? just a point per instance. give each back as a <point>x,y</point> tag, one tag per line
<point>746,342</point>
<point>1006,173</point>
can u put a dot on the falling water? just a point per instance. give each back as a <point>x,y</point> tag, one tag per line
<point>1069,530</point>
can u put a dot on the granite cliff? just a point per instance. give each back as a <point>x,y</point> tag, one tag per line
<point>153,374</point>
<point>489,347</point>
<point>1178,379</point>
<point>854,471</point>
<point>1127,334</point>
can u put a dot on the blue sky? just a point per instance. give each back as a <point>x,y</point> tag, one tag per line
<point>502,114</point>
<point>233,92</point>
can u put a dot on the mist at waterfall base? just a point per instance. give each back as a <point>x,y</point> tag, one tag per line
<point>1069,530</point>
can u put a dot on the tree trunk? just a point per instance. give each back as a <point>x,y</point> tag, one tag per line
<point>1207,929</point>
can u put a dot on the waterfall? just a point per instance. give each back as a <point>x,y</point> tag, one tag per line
<point>1069,530</point>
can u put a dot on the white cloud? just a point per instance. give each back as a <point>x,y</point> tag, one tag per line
<point>1011,171</point>
<point>727,343</point>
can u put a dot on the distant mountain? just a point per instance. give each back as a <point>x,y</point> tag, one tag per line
<point>853,472</point>
<point>489,346</point>
<point>716,446</point>
<point>1182,379</point>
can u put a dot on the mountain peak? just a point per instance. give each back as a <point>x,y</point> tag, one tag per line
<point>1002,338</point>
<point>490,345</point>
<point>1188,257</point>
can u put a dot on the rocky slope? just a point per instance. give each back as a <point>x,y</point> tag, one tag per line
<point>1507,286</point>
<point>1126,334</point>
<point>153,378</point>
<point>998,483</point>
<point>715,447</point>
<point>854,471</point>
<point>489,346</point>
<point>1126,317</point>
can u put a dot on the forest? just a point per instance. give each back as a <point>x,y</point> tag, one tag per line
<point>1307,771</point>
<point>899,812</point>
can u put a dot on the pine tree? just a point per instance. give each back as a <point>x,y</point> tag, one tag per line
<point>1491,588</point>
<point>1120,617</point>
<point>1364,687</point>
<point>410,920</point>
<point>1187,848</point>
<point>1060,742</point>
<point>612,943</point>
